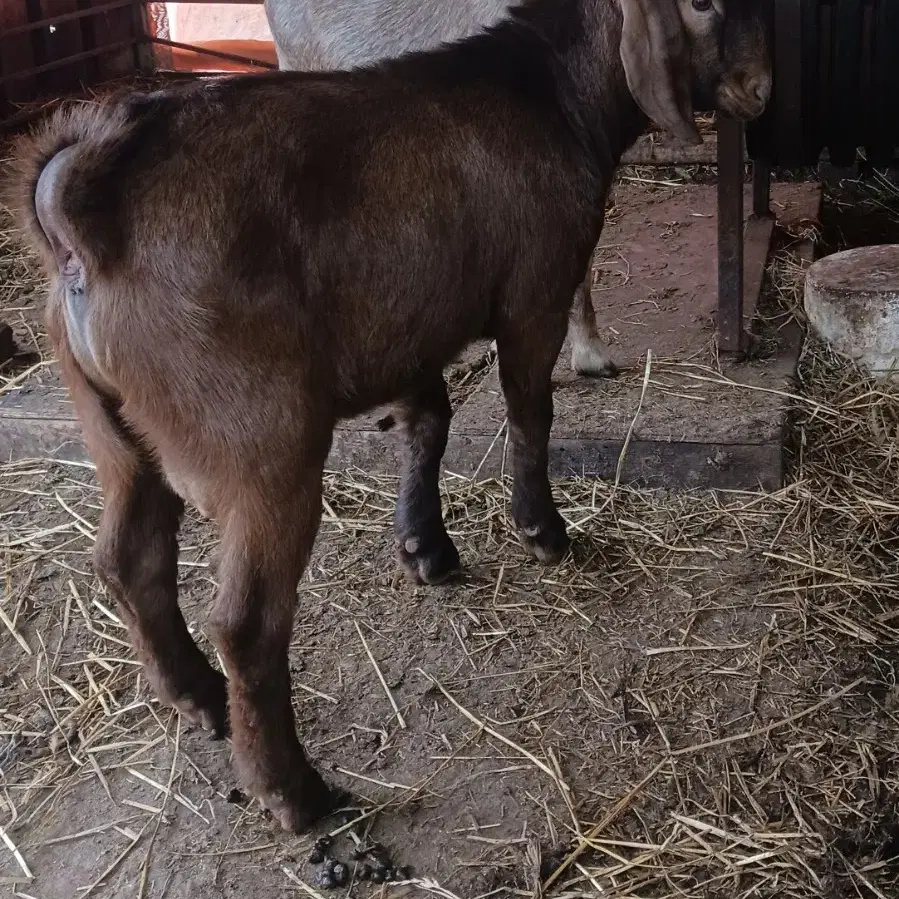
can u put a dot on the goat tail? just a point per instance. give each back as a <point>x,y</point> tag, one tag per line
<point>98,130</point>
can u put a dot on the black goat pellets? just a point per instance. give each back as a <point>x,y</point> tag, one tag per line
<point>316,857</point>
<point>379,875</point>
<point>325,880</point>
<point>339,874</point>
<point>365,872</point>
<point>324,842</point>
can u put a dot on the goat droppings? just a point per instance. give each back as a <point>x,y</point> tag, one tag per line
<point>325,880</point>
<point>339,874</point>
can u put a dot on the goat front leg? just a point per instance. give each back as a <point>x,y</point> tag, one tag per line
<point>266,544</point>
<point>528,350</point>
<point>589,355</point>
<point>424,548</point>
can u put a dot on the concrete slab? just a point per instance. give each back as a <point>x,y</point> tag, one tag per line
<point>693,422</point>
<point>697,421</point>
<point>852,301</point>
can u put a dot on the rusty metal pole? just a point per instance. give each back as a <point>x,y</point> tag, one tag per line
<point>761,188</point>
<point>730,234</point>
<point>7,344</point>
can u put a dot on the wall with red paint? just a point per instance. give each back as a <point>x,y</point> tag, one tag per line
<point>192,22</point>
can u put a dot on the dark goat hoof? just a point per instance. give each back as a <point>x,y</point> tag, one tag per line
<point>609,370</point>
<point>548,544</point>
<point>429,561</point>
<point>304,805</point>
<point>207,706</point>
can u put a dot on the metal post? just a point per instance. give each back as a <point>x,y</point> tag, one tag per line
<point>730,234</point>
<point>761,188</point>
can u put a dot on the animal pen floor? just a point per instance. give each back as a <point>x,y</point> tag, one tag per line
<point>700,701</point>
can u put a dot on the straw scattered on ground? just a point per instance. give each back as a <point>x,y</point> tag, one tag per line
<point>700,701</point>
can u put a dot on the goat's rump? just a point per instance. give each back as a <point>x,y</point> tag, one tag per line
<point>264,147</point>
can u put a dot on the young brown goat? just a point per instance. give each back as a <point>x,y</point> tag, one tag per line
<point>237,265</point>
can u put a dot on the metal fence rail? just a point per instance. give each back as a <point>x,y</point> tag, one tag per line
<point>53,48</point>
<point>50,48</point>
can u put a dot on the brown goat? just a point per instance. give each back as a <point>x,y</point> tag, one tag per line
<point>238,264</point>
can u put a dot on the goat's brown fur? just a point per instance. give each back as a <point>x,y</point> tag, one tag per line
<point>236,265</point>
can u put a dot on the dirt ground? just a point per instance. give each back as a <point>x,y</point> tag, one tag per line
<point>700,701</point>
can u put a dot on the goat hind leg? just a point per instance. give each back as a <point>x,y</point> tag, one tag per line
<point>136,556</point>
<point>265,548</point>
<point>589,355</point>
<point>136,551</point>
<point>424,548</point>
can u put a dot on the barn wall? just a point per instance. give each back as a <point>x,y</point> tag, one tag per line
<point>56,48</point>
<point>52,48</point>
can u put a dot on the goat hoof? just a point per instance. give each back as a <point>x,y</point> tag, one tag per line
<point>206,706</point>
<point>610,370</point>
<point>592,364</point>
<point>428,561</point>
<point>546,543</point>
<point>301,806</point>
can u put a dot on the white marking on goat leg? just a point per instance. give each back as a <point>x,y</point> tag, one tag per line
<point>591,357</point>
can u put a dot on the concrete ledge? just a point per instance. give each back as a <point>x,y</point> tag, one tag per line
<point>696,429</point>
<point>30,433</point>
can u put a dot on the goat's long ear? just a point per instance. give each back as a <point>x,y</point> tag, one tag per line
<point>656,61</point>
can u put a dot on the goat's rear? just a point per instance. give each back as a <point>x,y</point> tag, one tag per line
<point>213,321</point>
